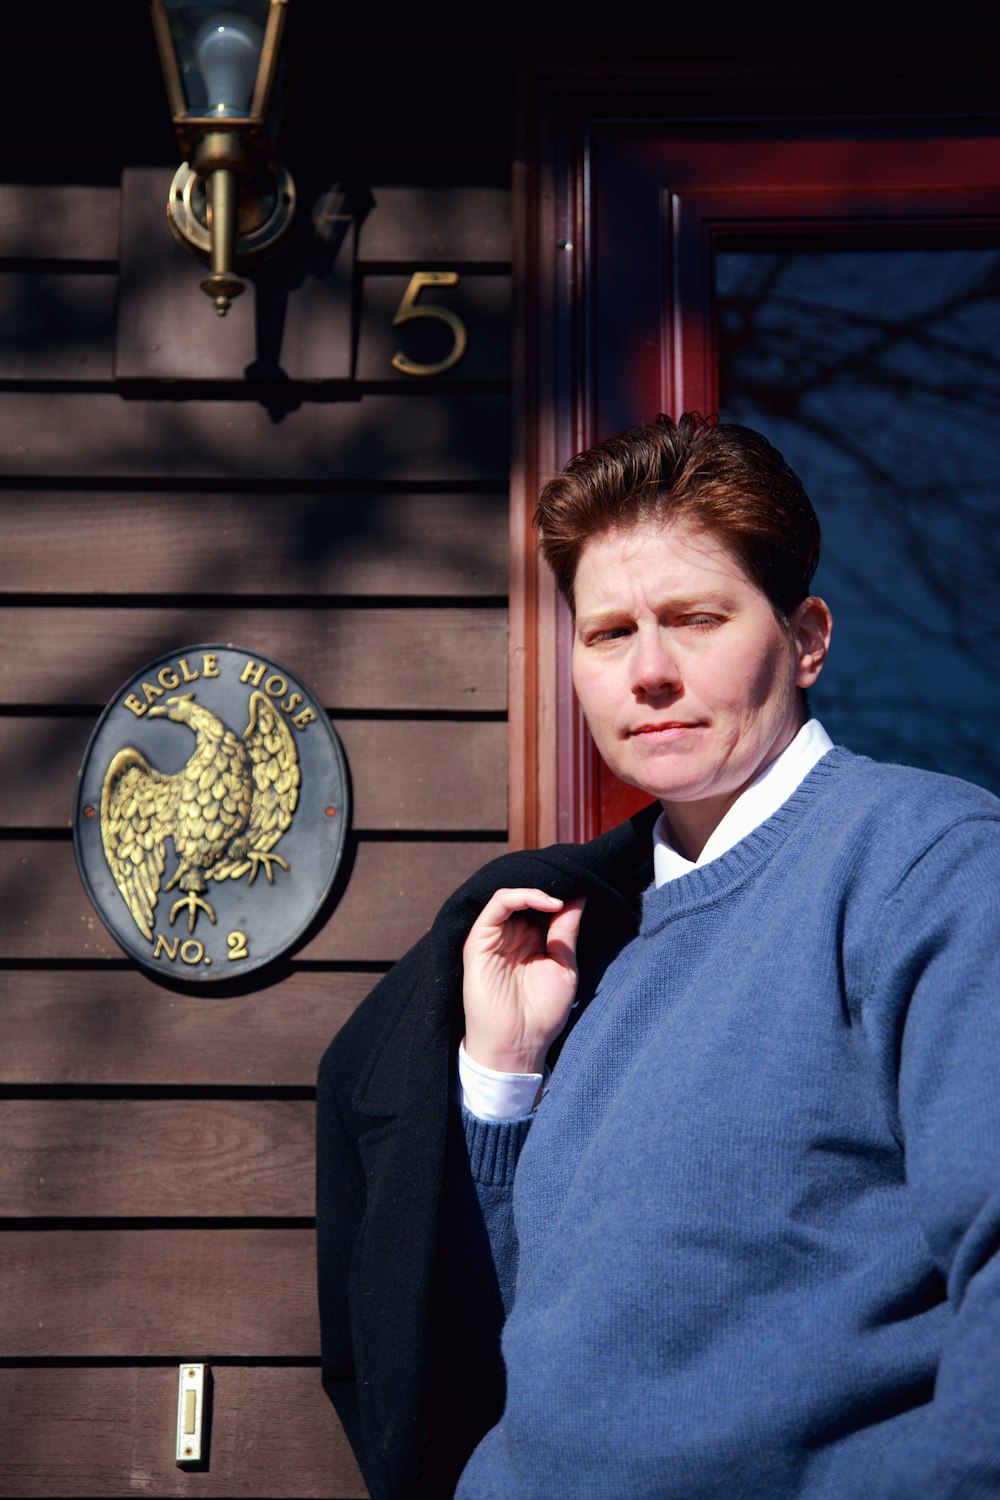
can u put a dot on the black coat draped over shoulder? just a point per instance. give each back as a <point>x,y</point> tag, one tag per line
<point>410,1311</point>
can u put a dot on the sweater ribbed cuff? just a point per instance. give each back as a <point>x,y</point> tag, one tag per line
<point>494,1147</point>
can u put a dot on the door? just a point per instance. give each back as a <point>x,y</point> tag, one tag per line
<point>839,288</point>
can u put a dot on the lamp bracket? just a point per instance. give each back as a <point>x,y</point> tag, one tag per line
<point>265,208</point>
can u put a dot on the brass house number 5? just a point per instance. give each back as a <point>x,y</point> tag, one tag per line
<point>408,310</point>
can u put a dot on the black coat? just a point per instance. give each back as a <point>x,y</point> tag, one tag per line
<point>409,1307</point>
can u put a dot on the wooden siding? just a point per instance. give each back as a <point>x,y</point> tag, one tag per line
<point>386,659</point>
<point>103,1025</point>
<point>58,223</point>
<point>350,522</point>
<point>127,1293</point>
<point>106,1431</point>
<point>147,1158</point>
<point>416,435</point>
<point>311,545</point>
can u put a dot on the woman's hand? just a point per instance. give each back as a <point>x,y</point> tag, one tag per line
<point>520,978</point>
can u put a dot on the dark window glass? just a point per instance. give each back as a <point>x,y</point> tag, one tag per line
<point>877,374</point>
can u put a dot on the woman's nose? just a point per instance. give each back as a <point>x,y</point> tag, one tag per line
<point>655,669</point>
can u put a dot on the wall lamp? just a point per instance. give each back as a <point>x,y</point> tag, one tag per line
<point>230,201</point>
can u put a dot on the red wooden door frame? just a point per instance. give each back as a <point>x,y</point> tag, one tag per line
<point>592,197</point>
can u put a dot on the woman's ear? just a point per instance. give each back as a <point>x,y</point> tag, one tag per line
<point>812,626</point>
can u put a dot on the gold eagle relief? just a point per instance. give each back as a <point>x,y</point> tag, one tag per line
<point>225,809</point>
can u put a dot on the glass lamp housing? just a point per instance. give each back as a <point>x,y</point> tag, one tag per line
<point>219,59</point>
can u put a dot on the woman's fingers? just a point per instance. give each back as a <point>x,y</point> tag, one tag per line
<point>494,928</point>
<point>564,929</point>
<point>520,977</point>
<point>504,903</point>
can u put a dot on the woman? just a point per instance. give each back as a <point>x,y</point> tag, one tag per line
<point>740,1241</point>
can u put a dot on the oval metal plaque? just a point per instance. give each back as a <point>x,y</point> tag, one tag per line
<point>211,813</point>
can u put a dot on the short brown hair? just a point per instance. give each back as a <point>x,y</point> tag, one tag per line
<point>725,478</point>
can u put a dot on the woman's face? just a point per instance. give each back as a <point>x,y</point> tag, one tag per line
<point>689,682</point>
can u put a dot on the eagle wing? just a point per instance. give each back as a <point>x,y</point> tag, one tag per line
<point>276,780</point>
<point>137,814</point>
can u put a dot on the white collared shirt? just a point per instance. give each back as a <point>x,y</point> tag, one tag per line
<point>751,808</point>
<point>491,1095</point>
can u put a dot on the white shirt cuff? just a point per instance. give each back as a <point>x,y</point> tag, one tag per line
<point>491,1095</point>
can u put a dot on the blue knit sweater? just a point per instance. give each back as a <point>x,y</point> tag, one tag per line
<point>748,1244</point>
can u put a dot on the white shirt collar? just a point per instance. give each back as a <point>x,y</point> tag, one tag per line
<point>753,807</point>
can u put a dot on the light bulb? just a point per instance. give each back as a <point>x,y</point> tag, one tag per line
<point>227,50</point>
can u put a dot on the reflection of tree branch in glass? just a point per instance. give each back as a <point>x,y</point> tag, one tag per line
<point>877,373</point>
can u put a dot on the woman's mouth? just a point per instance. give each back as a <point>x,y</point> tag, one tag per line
<point>664,731</point>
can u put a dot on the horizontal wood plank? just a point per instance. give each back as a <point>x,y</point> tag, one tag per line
<point>436,226</point>
<point>415,435</point>
<point>407,775</point>
<point>168,1293</point>
<point>49,222</point>
<point>364,659</point>
<point>67,1026</point>
<point>56,326</point>
<point>111,1432</point>
<point>168,544</point>
<point>120,1028</point>
<point>149,1158</point>
<point>392,894</point>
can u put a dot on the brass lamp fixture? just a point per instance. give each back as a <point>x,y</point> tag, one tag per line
<point>230,201</point>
